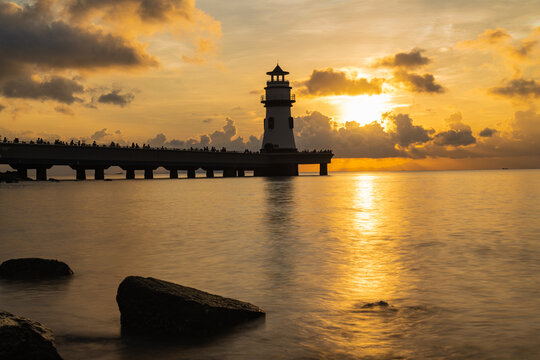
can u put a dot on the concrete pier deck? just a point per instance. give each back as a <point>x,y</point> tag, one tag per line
<point>41,157</point>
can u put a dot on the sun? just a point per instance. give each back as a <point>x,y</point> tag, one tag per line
<point>363,109</point>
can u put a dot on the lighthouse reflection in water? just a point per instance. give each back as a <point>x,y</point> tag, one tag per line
<point>455,255</point>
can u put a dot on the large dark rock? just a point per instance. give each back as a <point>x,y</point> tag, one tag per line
<point>150,306</point>
<point>33,269</point>
<point>24,339</point>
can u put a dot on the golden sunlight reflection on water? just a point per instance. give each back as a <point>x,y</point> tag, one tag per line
<point>455,254</point>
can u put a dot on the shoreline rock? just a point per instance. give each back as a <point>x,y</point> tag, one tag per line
<point>12,177</point>
<point>24,339</point>
<point>33,269</point>
<point>153,307</point>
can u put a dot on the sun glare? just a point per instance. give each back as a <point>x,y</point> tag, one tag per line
<point>363,109</point>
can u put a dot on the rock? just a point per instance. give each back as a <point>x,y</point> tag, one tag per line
<point>12,177</point>
<point>372,305</point>
<point>33,269</point>
<point>151,306</point>
<point>24,339</point>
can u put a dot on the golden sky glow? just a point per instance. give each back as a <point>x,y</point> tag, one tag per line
<point>446,81</point>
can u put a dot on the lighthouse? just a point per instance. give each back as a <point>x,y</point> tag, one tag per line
<point>278,124</point>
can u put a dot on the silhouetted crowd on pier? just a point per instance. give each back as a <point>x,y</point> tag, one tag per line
<point>79,143</point>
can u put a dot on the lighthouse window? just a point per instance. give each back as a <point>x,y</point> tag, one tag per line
<point>291,123</point>
<point>270,122</point>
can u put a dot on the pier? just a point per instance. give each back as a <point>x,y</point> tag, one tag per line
<point>41,157</point>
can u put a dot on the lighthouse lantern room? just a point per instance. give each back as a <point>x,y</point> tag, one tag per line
<point>278,124</point>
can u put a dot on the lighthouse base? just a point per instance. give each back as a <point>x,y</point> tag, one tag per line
<point>277,170</point>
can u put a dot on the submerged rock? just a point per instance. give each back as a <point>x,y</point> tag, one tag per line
<point>372,305</point>
<point>151,306</point>
<point>33,269</point>
<point>24,339</point>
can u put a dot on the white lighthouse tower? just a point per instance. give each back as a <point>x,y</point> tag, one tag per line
<point>278,124</point>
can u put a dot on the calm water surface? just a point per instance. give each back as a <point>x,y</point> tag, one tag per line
<point>457,255</point>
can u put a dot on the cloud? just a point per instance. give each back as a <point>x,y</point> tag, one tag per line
<point>411,59</point>
<point>406,133</point>
<point>317,131</point>
<point>226,137</point>
<point>2,107</point>
<point>455,138</point>
<point>490,36</point>
<point>335,82</point>
<point>54,88</point>
<point>100,135</point>
<point>207,120</point>
<point>500,41</point>
<point>487,132</point>
<point>145,10</point>
<point>518,88</point>
<point>31,36</point>
<point>418,83</point>
<point>136,17</point>
<point>66,110</point>
<point>47,39</point>
<point>158,141</point>
<point>115,98</point>
<point>460,134</point>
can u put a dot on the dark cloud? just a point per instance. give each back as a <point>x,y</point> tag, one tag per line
<point>460,134</point>
<point>406,133</point>
<point>55,88</point>
<point>66,110</point>
<point>2,107</point>
<point>207,120</point>
<point>146,10</point>
<point>418,83</point>
<point>45,39</point>
<point>29,36</point>
<point>115,98</point>
<point>455,138</point>
<point>487,132</point>
<point>411,59</point>
<point>100,135</point>
<point>335,82</point>
<point>518,88</point>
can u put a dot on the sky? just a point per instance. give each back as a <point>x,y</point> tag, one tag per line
<point>388,85</point>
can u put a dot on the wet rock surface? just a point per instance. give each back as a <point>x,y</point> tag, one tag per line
<point>24,339</point>
<point>33,269</point>
<point>153,307</point>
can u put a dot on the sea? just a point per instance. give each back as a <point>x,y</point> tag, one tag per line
<point>455,254</point>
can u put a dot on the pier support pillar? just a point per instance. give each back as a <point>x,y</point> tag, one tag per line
<point>173,174</point>
<point>323,169</point>
<point>22,172</point>
<point>130,173</point>
<point>81,173</point>
<point>191,173</point>
<point>229,172</point>
<point>148,173</point>
<point>41,173</point>
<point>209,173</point>
<point>99,174</point>
<point>241,172</point>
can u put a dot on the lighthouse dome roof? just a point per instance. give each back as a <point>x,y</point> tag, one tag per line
<point>277,71</point>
